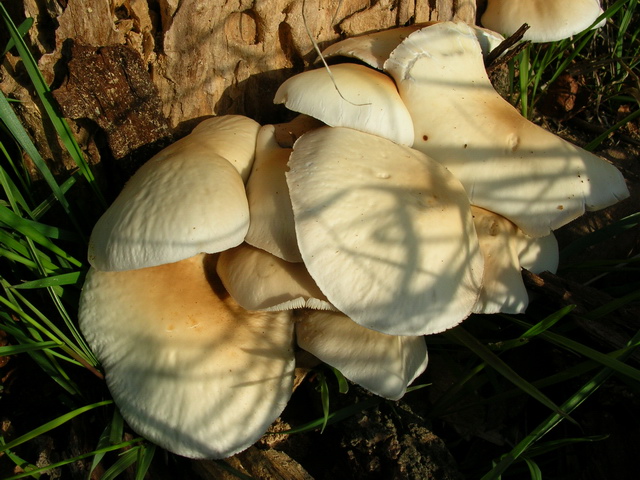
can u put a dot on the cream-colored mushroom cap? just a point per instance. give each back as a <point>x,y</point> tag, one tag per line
<point>539,254</point>
<point>188,368</point>
<point>361,98</point>
<point>271,226</point>
<point>258,280</point>
<point>506,250</point>
<point>507,164</point>
<point>186,200</point>
<point>371,48</point>
<point>233,137</point>
<point>383,364</point>
<point>503,289</point>
<point>384,231</point>
<point>374,48</point>
<point>549,20</point>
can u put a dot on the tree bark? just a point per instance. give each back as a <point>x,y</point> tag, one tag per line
<point>203,58</point>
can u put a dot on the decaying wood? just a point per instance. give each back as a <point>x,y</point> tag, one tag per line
<point>110,86</point>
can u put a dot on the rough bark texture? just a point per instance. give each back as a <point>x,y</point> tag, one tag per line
<point>202,58</point>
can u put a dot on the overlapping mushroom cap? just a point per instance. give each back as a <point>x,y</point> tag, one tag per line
<point>187,199</point>
<point>549,20</point>
<point>507,164</point>
<point>385,231</point>
<point>187,366</point>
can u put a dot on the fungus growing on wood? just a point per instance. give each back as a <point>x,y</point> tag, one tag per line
<point>188,367</point>
<point>271,226</point>
<point>383,364</point>
<point>258,280</point>
<point>374,48</point>
<point>506,249</point>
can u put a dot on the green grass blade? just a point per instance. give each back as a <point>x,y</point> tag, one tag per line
<point>466,339</point>
<point>44,93</point>
<point>53,424</point>
<point>68,461</point>
<point>17,349</point>
<point>145,457</point>
<point>17,131</point>
<point>573,402</point>
<point>22,30</point>
<point>73,278</point>
<point>336,416</point>
<point>126,459</point>
<point>577,347</point>
<point>553,445</point>
<point>534,469</point>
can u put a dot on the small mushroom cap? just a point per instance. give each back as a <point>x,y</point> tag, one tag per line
<point>383,364</point>
<point>503,289</point>
<point>371,48</point>
<point>374,48</point>
<point>539,254</point>
<point>385,232</point>
<point>188,368</point>
<point>271,227</point>
<point>185,200</point>
<point>361,98</point>
<point>507,164</point>
<point>233,137</point>
<point>258,280</point>
<point>550,20</point>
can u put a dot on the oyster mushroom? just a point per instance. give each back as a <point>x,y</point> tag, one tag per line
<point>385,232</point>
<point>188,367</point>
<point>507,164</point>
<point>187,199</point>
<point>351,96</point>
<point>383,364</point>
<point>549,20</point>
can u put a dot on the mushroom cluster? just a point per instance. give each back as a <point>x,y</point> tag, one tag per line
<point>415,203</point>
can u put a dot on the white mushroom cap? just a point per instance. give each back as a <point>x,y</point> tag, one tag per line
<point>271,227</point>
<point>233,137</point>
<point>374,48</point>
<point>538,254</point>
<point>385,232</point>
<point>188,368</point>
<point>503,289</point>
<point>383,364</point>
<point>371,48</point>
<point>507,164</point>
<point>550,20</point>
<point>360,98</point>
<point>185,200</point>
<point>258,280</point>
